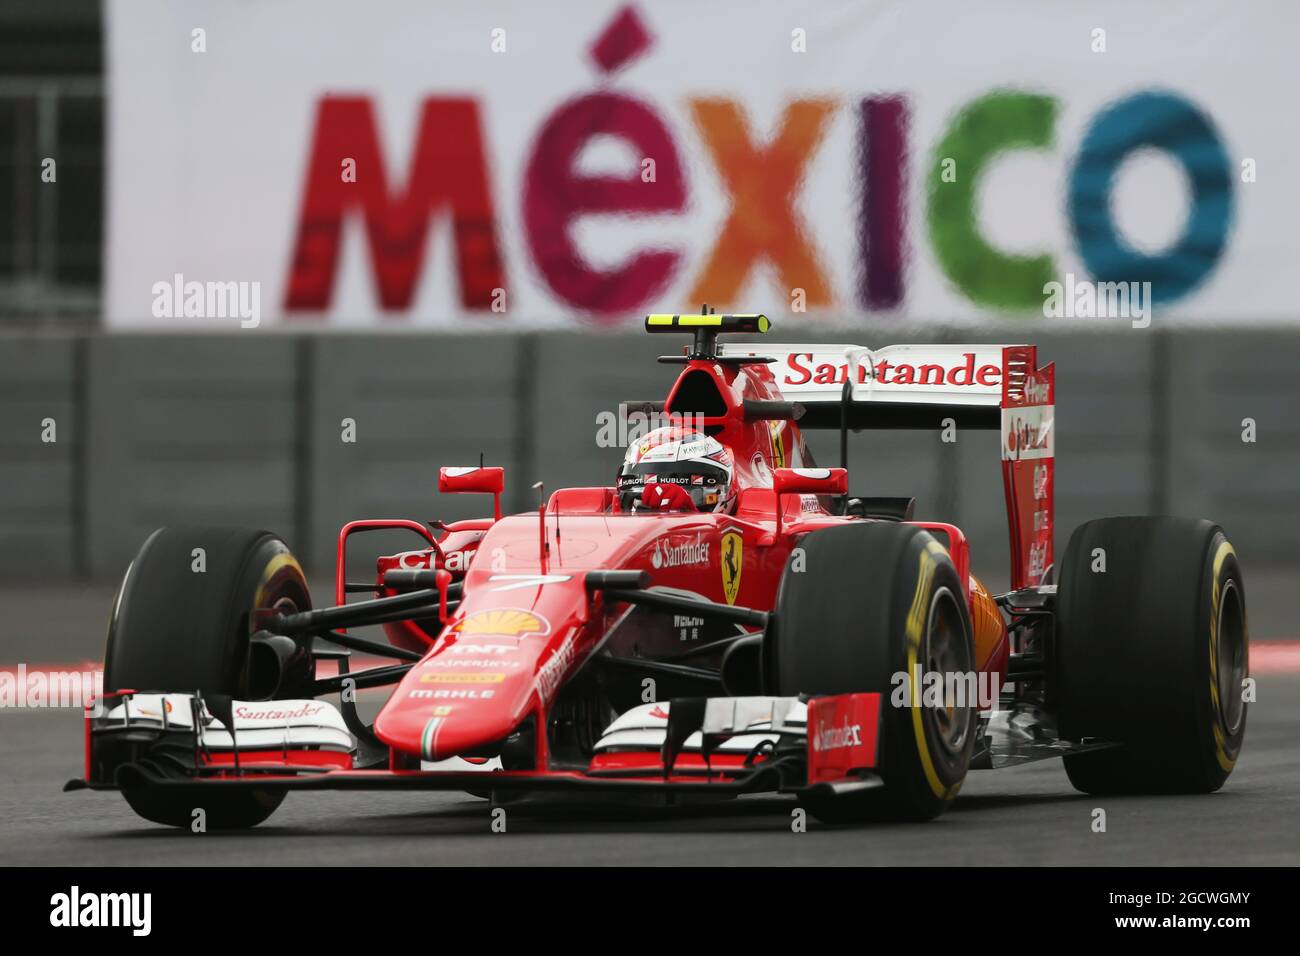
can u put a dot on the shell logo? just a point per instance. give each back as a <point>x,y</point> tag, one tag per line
<point>507,622</point>
<point>150,712</point>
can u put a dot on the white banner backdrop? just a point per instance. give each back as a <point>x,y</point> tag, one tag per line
<point>402,163</point>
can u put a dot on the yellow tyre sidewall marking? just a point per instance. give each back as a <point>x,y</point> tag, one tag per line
<point>274,567</point>
<point>1220,744</point>
<point>916,621</point>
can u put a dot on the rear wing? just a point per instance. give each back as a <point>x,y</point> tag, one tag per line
<point>899,386</point>
<point>850,387</point>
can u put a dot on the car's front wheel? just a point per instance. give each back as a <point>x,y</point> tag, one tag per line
<point>180,623</point>
<point>859,605</point>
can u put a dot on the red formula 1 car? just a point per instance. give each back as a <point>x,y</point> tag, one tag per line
<point>727,618</point>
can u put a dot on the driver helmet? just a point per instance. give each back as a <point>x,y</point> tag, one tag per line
<point>674,468</point>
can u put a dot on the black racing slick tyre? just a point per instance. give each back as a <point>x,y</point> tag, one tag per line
<point>1152,654</point>
<point>859,604</point>
<point>180,623</point>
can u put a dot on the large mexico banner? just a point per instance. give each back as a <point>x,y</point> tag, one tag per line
<point>408,163</point>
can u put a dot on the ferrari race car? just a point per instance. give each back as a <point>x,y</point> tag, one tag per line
<point>728,618</point>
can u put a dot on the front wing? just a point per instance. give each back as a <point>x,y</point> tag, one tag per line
<point>724,746</point>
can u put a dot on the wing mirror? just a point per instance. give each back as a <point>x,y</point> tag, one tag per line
<point>810,481</point>
<point>807,481</point>
<point>482,480</point>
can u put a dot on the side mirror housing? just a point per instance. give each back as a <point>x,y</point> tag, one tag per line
<point>807,481</point>
<point>478,479</point>
<point>810,481</point>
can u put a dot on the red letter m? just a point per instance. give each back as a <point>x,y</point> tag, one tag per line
<point>447,168</point>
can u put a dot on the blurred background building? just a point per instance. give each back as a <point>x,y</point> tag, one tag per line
<point>51,104</point>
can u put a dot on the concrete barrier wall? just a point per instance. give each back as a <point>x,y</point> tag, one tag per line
<point>417,404</point>
<point>249,429</point>
<point>199,430</point>
<point>1253,489</point>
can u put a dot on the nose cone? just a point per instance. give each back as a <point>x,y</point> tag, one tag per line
<point>486,674</point>
<point>518,634</point>
<point>454,702</point>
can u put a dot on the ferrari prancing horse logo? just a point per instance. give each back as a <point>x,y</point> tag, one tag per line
<point>733,547</point>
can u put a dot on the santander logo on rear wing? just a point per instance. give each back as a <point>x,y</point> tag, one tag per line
<point>938,374</point>
<point>961,377</point>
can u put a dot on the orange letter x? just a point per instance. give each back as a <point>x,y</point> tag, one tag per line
<point>762,182</point>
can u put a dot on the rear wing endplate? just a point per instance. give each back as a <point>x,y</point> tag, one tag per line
<point>1029,463</point>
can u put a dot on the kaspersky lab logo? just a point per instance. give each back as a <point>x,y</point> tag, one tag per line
<point>676,553</point>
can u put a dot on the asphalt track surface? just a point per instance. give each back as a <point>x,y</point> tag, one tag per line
<point>1028,815</point>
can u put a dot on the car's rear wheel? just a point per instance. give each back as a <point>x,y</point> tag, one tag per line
<point>180,623</point>
<point>858,605</point>
<point>1152,654</point>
